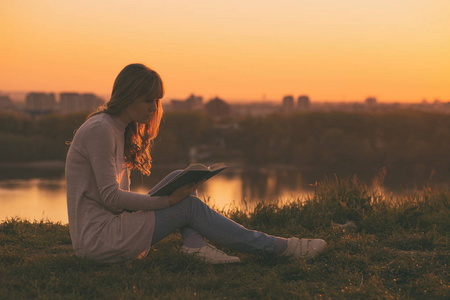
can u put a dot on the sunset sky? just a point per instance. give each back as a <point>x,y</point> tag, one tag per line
<point>395,50</point>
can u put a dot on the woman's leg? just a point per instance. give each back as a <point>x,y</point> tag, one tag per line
<point>191,238</point>
<point>191,212</point>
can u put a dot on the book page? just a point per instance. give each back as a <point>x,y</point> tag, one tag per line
<point>192,174</point>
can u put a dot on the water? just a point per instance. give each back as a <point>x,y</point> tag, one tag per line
<point>33,199</point>
<point>36,194</point>
<point>44,196</point>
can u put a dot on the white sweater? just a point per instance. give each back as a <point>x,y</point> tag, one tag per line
<point>98,197</point>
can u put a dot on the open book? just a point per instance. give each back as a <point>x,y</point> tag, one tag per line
<point>193,173</point>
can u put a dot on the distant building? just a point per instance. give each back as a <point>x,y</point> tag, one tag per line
<point>195,102</point>
<point>303,102</point>
<point>254,109</point>
<point>217,107</point>
<point>74,102</point>
<point>40,103</point>
<point>6,104</point>
<point>288,103</point>
<point>371,101</point>
<point>192,103</point>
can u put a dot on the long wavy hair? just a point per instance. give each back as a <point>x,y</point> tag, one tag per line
<point>134,81</point>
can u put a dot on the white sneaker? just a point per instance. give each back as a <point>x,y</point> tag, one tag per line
<point>211,255</point>
<point>304,248</point>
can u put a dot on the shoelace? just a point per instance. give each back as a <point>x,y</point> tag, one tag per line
<point>306,249</point>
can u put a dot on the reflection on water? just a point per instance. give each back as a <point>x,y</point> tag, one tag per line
<point>41,198</point>
<point>34,195</point>
<point>241,189</point>
<point>246,189</point>
<point>33,199</point>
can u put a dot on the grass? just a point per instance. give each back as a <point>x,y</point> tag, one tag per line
<point>398,249</point>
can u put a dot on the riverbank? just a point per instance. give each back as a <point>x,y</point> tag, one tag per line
<point>395,249</point>
<point>60,164</point>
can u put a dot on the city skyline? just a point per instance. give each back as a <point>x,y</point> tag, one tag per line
<point>20,97</point>
<point>40,104</point>
<point>236,50</point>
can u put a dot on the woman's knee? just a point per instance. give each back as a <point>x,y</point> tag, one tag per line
<point>191,200</point>
<point>192,203</point>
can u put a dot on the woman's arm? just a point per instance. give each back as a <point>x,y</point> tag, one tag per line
<point>100,150</point>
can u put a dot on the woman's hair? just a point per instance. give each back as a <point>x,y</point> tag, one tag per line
<point>134,81</point>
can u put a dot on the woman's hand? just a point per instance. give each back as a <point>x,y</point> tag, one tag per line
<point>181,193</point>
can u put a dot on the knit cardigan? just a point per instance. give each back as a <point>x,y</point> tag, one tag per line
<point>108,223</point>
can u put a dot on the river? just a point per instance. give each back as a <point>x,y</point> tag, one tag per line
<point>36,194</point>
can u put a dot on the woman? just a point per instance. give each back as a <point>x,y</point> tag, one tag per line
<point>108,223</point>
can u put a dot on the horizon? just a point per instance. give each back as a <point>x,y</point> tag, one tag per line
<point>105,97</point>
<point>21,98</point>
<point>238,51</point>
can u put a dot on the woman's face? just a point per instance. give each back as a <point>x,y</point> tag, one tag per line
<point>140,110</point>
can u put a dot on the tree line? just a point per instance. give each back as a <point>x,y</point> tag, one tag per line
<point>408,141</point>
<point>25,139</point>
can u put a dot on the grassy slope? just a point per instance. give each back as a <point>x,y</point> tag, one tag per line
<point>398,250</point>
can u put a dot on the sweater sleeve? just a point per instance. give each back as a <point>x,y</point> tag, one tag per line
<point>100,149</point>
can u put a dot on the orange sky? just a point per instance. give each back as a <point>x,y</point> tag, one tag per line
<point>236,49</point>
